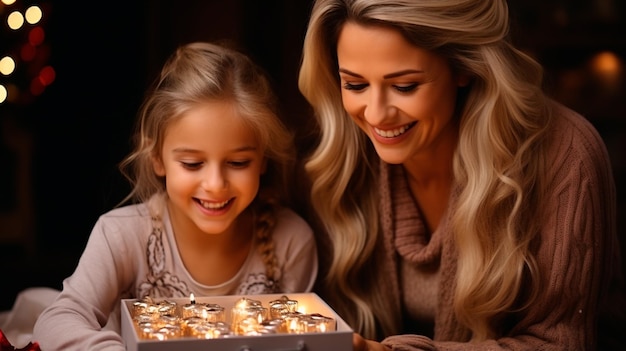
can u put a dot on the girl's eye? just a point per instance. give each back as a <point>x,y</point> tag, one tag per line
<point>239,164</point>
<point>191,165</point>
<point>405,88</point>
<point>357,87</point>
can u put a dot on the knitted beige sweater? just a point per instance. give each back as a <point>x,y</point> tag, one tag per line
<point>577,253</point>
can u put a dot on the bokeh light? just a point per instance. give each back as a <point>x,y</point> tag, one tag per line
<point>606,63</point>
<point>24,58</point>
<point>3,93</point>
<point>47,75</point>
<point>607,68</point>
<point>33,14</point>
<point>36,36</point>
<point>7,65</point>
<point>15,20</point>
<point>13,93</point>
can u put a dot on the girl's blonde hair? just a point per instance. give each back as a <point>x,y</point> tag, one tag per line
<point>503,116</point>
<point>200,72</point>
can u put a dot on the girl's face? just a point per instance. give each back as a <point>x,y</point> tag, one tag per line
<point>212,165</point>
<point>401,96</point>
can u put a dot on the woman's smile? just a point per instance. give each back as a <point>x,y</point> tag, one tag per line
<point>392,133</point>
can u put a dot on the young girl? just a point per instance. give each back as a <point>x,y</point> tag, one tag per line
<point>209,172</point>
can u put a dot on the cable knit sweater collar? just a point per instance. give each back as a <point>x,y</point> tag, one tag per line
<point>411,239</point>
<point>405,236</point>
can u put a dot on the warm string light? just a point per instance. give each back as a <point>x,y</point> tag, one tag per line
<point>24,72</point>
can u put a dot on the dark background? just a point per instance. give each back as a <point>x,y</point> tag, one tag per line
<point>59,151</point>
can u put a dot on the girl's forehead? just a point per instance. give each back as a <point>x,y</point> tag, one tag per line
<point>210,126</point>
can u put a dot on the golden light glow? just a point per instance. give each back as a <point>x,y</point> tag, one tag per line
<point>15,20</point>
<point>33,14</point>
<point>606,63</point>
<point>608,69</point>
<point>7,65</point>
<point>8,2</point>
<point>12,93</point>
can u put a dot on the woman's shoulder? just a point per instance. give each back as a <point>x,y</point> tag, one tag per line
<point>575,148</point>
<point>574,131</point>
<point>574,138</point>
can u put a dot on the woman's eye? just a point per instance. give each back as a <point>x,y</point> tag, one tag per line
<point>357,87</point>
<point>405,88</point>
<point>239,164</point>
<point>191,165</point>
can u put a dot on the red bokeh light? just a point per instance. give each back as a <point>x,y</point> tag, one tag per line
<point>47,75</point>
<point>36,36</point>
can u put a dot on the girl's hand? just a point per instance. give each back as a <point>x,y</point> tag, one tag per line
<point>360,344</point>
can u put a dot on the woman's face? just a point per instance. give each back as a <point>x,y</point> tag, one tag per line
<point>401,96</point>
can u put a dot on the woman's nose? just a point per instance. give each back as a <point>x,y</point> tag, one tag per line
<point>377,107</point>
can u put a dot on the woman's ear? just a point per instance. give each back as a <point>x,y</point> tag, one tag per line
<point>157,165</point>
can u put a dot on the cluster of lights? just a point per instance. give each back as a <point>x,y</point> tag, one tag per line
<point>29,55</point>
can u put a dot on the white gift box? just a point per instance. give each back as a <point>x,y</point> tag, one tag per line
<point>339,339</point>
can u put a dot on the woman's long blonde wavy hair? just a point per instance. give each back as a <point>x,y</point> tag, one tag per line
<point>503,116</point>
<point>200,72</point>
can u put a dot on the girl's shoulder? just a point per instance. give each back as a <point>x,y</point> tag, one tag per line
<point>138,219</point>
<point>127,213</point>
<point>291,230</point>
<point>155,207</point>
<point>288,222</point>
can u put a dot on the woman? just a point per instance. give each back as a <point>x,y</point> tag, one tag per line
<point>463,207</point>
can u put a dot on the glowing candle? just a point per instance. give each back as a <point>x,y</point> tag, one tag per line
<point>192,309</point>
<point>246,315</point>
<point>213,313</point>
<point>166,307</point>
<point>282,307</point>
<point>316,323</point>
<point>292,322</point>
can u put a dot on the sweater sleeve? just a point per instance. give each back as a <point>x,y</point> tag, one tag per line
<point>78,319</point>
<point>576,255</point>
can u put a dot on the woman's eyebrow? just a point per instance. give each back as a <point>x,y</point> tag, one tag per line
<point>386,76</point>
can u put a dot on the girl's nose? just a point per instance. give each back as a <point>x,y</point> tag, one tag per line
<point>214,179</point>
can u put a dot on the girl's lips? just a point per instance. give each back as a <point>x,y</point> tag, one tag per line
<point>215,208</point>
<point>211,205</point>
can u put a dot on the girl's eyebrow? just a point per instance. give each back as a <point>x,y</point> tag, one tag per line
<point>190,150</point>
<point>386,76</point>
